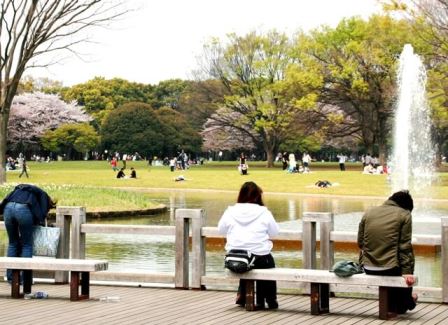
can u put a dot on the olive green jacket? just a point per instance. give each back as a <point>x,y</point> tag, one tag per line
<point>384,237</point>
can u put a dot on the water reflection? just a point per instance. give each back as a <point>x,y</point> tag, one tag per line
<point>133,252</point>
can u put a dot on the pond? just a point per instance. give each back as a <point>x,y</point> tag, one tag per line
<point>156,253</point>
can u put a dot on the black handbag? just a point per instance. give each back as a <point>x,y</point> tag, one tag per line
<point>239,261</point>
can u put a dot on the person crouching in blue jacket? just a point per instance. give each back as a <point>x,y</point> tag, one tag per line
<point>26,206</point>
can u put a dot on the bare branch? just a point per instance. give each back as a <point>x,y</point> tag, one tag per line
<point>33,28</point>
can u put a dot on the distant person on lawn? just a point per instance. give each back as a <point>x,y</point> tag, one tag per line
<point>121,173</point>
<point>24,169</point>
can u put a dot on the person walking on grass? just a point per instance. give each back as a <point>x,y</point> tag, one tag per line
<point>342,158</point>
<point>24,169</point>
<point>306,160</point>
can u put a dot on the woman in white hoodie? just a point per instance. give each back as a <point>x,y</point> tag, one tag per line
<point>248,226</point>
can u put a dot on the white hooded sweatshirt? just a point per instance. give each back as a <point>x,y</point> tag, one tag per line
<point>248,226</point>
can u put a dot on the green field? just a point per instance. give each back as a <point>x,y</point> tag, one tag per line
<point>93,183</point>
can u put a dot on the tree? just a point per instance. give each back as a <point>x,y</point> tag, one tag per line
<point>30,29</point>
<point>429,19</point>
<point>222,136</point>
<point>252,69</point>
<point>137,127</point>
<point>133,127</point>
<point>168,92</point>
<point>34,113</point>
<point>435,16</point>
<point>69,139</point>
<point>437,90</point>
<point>177,133</point>
<point>354,66</point>
<point>29,84</point>
<point>99,95</point>
<point>199,100</point>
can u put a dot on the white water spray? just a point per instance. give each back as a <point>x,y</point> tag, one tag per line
<point>413,155</point>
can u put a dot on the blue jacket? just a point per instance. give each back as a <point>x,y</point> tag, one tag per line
<point>37,200</point>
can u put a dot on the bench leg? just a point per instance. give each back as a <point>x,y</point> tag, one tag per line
<point>27,280</point>
<point>250,295</point>
<point>74,286</point>
<point>320,298</point>
<point>15,285</point>
<point>27,283</point>
<point>79,279</point>
<point>85,285</point>
<point>383,296</point>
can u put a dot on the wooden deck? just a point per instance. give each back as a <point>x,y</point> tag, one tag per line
<point>170,306</point>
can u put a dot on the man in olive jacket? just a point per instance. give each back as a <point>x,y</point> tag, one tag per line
<point>384,237</point>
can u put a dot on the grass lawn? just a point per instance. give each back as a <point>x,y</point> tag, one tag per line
<point>92,183</point>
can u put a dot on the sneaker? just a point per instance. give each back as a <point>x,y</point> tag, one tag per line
<point>391,315</point>
<point>273,305</point>
<point>260,307</point>
<point>240,301</point>
<point>414,302</point>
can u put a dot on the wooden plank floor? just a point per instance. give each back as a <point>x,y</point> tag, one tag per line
<point>170,306</point>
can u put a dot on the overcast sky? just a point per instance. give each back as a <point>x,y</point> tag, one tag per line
<point>162,38</point>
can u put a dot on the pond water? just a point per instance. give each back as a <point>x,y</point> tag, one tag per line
<point>156,253</point>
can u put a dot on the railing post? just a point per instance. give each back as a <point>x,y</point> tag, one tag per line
<point>63,222</point>
<point>444,253</point>
<point>326,223</point>
<point>197,248</point>
<point>78,239</point>
<point>309,241</point>
<point>181,246</point>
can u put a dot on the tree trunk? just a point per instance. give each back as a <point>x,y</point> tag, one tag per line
<point>383,132</point>
<point>368,139</point>
<point>439,142</point>
<point>270,158</point>
<point>3,134</point>
<point>382,153</point>
<point>269,149</point>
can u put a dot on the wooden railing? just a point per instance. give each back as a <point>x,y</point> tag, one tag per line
<point>190,223</point>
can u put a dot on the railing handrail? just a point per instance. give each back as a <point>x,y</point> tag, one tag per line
<point>287,235</point>
<point>92,228</point>
<point>335,235</point>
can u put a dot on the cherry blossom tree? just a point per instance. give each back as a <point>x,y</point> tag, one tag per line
<point>225,130</point>
<point>34,113</point>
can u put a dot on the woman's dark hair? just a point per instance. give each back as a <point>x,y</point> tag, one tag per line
<point>250,193</point>
<point>403,199</point>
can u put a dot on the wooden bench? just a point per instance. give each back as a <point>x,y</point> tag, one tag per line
<point>79,273</point>
<point>320,281</point>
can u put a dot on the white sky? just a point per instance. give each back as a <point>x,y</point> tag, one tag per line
<point>162,38</point>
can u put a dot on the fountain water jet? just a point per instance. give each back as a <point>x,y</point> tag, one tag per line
<point>413,155</point>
